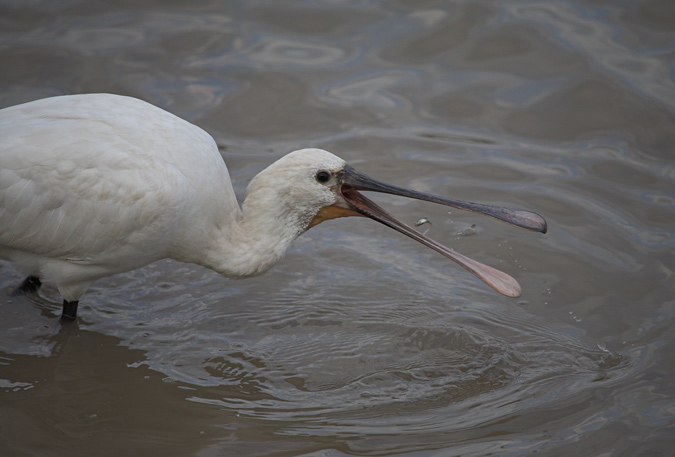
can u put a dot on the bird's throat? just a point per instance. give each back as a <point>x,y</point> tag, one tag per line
<point>331,212</point>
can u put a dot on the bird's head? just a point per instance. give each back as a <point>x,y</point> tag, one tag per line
<point>313,185</point>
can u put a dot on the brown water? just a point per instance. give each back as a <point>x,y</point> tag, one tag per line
<point>362,342</point>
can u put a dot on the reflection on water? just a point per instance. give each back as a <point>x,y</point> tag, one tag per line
<point>361,342</point>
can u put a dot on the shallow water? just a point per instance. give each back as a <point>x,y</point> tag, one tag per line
<point>362,342</point>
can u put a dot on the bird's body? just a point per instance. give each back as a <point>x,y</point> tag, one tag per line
<point>94,185</point>
<point>87,193</point>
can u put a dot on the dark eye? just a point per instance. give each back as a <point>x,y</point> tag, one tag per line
<point>322,176</point>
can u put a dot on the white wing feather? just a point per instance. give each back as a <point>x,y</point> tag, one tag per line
<point>92,178</point>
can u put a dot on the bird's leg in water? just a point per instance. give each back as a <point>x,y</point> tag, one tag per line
<point>69,310</point>
<point>29,285</point>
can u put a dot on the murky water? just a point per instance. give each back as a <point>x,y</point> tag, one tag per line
<point>361,342</point>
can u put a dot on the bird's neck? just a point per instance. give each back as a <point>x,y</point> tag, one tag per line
<point>257,240</point>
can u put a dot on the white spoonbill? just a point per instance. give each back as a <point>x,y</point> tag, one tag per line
<point>98,184</point>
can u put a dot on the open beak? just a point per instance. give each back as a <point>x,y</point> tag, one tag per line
<point>356,204</point>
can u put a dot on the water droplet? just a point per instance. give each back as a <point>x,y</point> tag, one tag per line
<point>422,221</point>
<point>574,317</point>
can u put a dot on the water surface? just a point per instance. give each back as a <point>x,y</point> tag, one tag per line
<point>362,342</point>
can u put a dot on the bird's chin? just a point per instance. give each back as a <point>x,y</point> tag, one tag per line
<point>332,212</point>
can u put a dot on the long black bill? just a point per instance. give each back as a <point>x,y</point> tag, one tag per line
<point>520,218</point>
<point>353,181</point>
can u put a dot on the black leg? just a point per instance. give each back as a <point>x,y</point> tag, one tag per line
<point>29,285</point>
<point>69,310</point>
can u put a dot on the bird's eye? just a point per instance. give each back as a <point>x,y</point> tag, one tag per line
<point>323,176</point>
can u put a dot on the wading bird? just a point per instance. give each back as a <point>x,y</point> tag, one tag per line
<point>94,185</point>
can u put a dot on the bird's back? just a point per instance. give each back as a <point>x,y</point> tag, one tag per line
<point>94,179</point>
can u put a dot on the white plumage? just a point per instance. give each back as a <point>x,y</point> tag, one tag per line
<point>93,185</point>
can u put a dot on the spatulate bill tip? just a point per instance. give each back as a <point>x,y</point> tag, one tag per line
<point>502,283</point>
<point>526,219</point>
